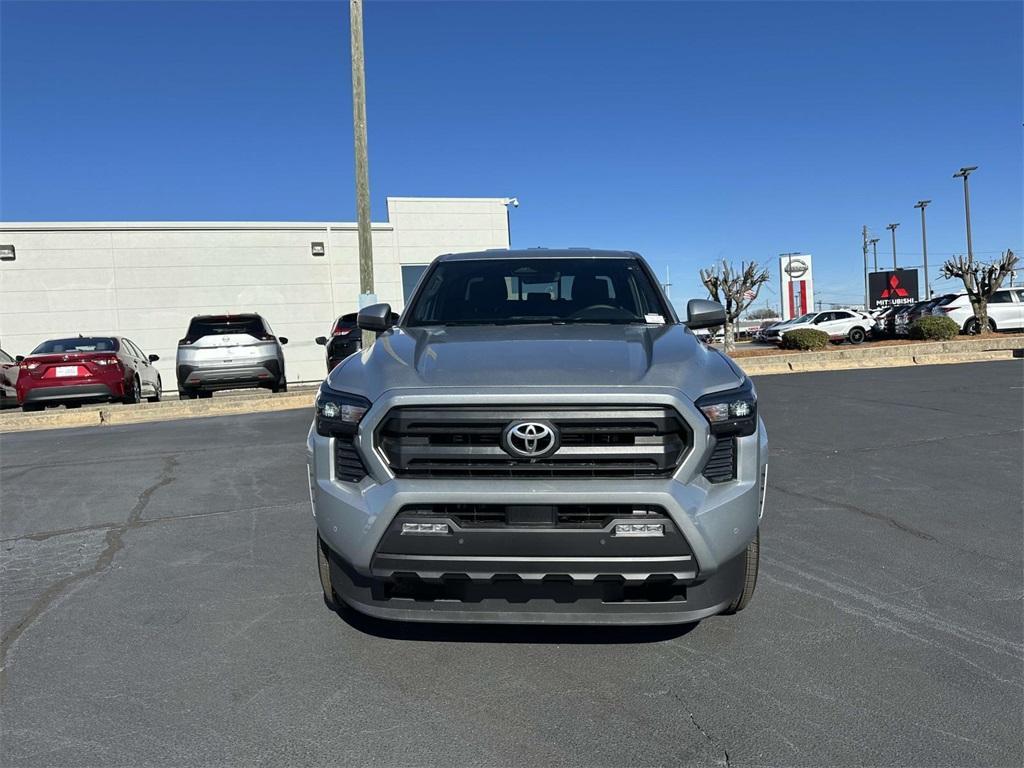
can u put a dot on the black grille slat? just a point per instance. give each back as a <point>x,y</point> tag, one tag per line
<point>458,441</point>
<point>348,464</point>
<point>721,464</point>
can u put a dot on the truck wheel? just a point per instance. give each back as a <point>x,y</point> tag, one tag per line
<point>325,574</point>
<point>856,335</point>
<point>751,563</point>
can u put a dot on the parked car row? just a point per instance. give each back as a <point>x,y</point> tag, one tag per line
<point>217,352</point>
<point>1005,313</point>
<point>840,324</point>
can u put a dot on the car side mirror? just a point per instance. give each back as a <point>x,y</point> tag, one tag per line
<point>701,313</point>
<point>376,318</point>
<point>154,358</point>
<point>321,340</point>
<point>18,358</point>
<point>282,339</point>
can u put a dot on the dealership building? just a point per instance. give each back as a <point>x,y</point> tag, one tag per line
<point>145,280</point>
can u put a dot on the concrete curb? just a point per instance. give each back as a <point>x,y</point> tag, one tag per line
<point>163,411</point>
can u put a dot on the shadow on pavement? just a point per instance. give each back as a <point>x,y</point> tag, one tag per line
<point>511,633</point>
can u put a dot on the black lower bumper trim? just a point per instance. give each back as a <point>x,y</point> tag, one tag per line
<point>511,598</point>
<point>72,392</point>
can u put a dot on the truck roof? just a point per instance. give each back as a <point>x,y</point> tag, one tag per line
<point>540,253</point>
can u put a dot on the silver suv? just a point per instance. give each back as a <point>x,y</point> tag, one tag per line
<point>539,439</point>
<point>229,352</point>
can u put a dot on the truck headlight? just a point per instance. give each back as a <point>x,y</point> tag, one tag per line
<point>733,412</point>
<point>338,413</point>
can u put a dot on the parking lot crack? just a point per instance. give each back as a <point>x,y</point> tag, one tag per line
<point>706,735</point>
<point>112,545</point>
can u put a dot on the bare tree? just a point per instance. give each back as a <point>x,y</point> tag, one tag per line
<point>735,289</point>
<point>981,279</point>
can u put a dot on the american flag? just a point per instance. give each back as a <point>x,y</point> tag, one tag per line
<point>750,295</point>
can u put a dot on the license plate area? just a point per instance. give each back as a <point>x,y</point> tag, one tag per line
<point>66,371</point>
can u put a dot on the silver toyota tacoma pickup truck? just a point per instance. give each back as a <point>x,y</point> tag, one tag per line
<point>539,439</point>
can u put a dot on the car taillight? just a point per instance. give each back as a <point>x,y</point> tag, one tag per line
<point>28,366</point>
<point>107,361</point>
<point>183,342</point>
<point>268,337</point>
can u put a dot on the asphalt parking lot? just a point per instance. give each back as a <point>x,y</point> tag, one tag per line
<point>160,606</point>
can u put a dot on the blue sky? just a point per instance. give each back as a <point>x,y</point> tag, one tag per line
<point>686,131</point>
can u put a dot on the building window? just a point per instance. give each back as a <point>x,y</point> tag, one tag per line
<point>410,276</point>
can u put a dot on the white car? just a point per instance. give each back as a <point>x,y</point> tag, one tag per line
<point>1005,311</point>
<point>839,324</point>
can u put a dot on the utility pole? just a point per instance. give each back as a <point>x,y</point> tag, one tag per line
<point>864,235</point>
<point>922,204</point>
<point>892,228</point>
<point>362,164</point>
<point>668,283</point>
<point>874,248</point>
<point>963,173</point>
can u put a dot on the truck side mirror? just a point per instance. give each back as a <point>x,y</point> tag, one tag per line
<point>701,313</point>
<point>376,318</point>
<point>321,340</point>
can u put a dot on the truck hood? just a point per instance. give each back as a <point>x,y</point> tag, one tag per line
<point>548,356</point>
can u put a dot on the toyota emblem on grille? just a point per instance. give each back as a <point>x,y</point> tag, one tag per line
<point>530,439</point>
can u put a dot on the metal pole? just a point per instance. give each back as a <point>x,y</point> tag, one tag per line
<point>864,235</point>
<point>362,163</point>
<point>892,228</point>
<point>874,248</point>
<point>963,173</point>
<point>922,204</point>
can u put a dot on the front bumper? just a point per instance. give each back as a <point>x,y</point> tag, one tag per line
<point>715,520</point>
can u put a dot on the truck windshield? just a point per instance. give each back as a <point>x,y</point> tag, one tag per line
<point>540,290</point>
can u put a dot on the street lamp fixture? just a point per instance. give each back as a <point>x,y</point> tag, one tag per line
<point>874,250</point>
<point>963,173</point>
<point>892,228</point>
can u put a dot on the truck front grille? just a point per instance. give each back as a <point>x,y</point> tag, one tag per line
<point>465,441</point>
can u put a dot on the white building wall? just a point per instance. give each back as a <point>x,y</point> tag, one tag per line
<point>145,280</point>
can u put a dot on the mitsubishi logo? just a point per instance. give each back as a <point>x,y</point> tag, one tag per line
<point>529,439</point>
<point>894,289</point>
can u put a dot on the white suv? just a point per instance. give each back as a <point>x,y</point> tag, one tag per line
<point>1005,311</point>
<point>839,324</point>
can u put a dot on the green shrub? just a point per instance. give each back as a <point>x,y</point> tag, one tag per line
<point>804,338</point>
<point>934,328</point>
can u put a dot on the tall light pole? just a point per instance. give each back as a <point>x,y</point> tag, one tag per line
<point>963,173</point>
<point>892,228</point>
<point>922,204</point>
<point>864,236</point>
<point>874,248</point>
<point>362,163</point>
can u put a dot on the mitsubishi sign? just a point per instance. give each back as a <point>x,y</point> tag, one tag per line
<point>797,287</point>
<point>892,288</point>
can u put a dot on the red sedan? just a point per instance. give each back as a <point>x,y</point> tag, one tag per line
<point>86,369</point>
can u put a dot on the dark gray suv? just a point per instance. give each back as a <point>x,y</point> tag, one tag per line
<point>539,439</point>
<point>229,352</point>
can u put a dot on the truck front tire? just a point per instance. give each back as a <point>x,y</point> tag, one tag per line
<point>751,562</point>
